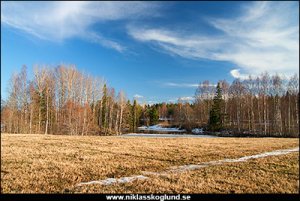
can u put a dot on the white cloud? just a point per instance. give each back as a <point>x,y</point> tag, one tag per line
<point>236,74</point>
<point>181,99</point>
<point>57,21</point>
<point>96,38</point>
<point>184,85</point>
<point>137,96</point>
<point>187,98</point>
<point>152,102</point>
<point>185,45</point>
<point>265,37</point>
<point>172,100</point>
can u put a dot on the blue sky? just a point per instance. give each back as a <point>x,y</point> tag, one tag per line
<point>154,51</point>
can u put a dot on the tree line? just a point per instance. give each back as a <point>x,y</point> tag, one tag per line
<point>62,100</point>
<point>262,106</point>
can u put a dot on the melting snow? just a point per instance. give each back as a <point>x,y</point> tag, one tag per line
<point>110,181</point>
<point>197,130</point>
<point>183,168</point>
<point>167,135</point>
<point>272,153</point>
<point>159,128</point>
<point>177,169</point>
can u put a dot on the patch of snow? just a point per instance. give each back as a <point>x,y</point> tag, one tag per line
<point>155,173</point>
<point>177,169</point>
<point>166,135</point>
<point>197,130</point>
<point>159,128</point>
<point>272,153</point>
<point>110,181</point>
<point>183,168</point>
<point>142,127</point>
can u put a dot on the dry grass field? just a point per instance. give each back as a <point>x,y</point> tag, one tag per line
<point>56,164</point>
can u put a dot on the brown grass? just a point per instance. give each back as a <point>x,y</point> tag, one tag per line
<point>55,164</point>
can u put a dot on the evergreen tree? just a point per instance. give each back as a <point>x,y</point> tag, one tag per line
<point>154,116</point>
<point>104,107</point>
<point>128,116</point>
<point>215,115</point>
<point>134,116</point>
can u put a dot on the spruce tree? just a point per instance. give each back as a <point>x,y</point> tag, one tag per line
<point>215,115</point>
<point>128,118</point>
<point>104,107</point>
<point>134,116</point>
<point>154,116</point>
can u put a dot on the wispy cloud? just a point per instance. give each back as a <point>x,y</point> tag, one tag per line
<point>182,99</point>
<point>265,37</point>
<point>182,44</point>
<point>185,85</point>
<point>151,102</point>
<point>57,21</point>
<point>137,96</point>
<point>96,38</point>
<point>172,100</point>
<point>236,74</point>
<point>181,85</point>
<point>187,98</point>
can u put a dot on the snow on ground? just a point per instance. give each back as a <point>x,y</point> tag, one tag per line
<point>179,169</point>
<point>272,153</point>
<point>166,135</point>
<point>184,168</point>
<point>110,181</point>
<point>197,130</point>
<point>159,128</point>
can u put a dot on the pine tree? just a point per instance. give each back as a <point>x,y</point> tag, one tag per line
<point>128,116</point>
<point>154,116</point>
<point>134,116</point>
<point>104,108</point>
<point>215,115</point>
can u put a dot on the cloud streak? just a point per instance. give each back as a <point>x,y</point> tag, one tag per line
<point>181,85</point>
<point>137,96</point>
<point>187,98</point>
<point>57,21</point>
<point>265,37</point>
<point>188,85</point>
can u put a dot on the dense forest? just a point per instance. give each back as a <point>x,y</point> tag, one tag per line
<point>63,100</point>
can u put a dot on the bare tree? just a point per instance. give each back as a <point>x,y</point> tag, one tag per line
<point>40,75</point>
<point>122,103</point>
<point>50,97</point>
<point>66,101</point>
<point>277,92</point>
<point>293,89</point>
<point>264,90</point>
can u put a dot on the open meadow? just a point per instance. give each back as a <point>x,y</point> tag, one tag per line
<point>33,163</point>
